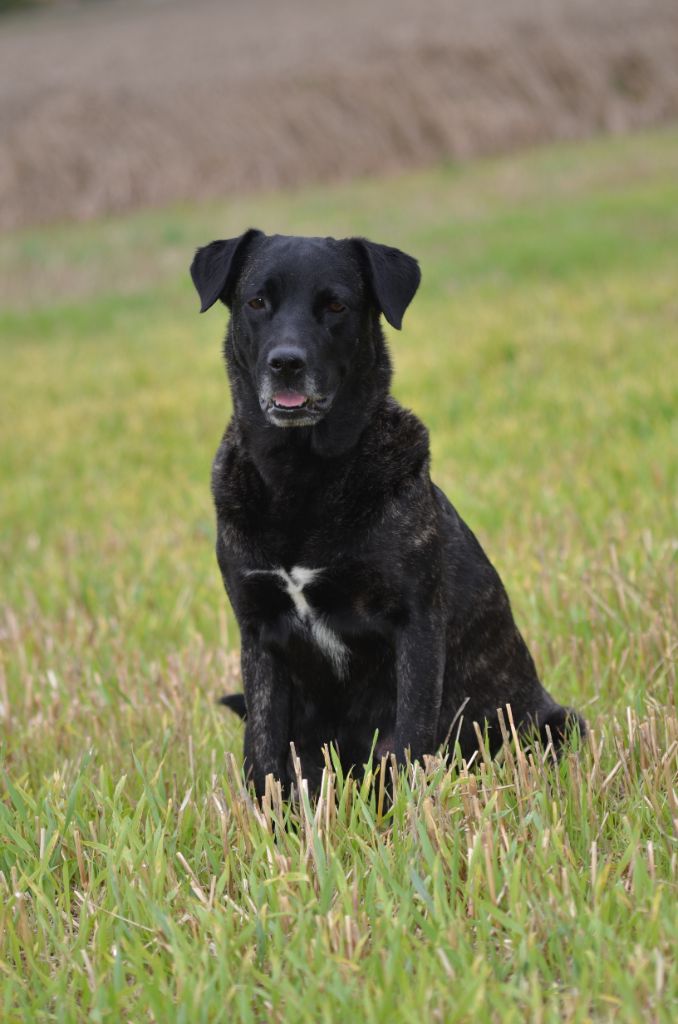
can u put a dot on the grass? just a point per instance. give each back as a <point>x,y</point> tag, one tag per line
<point>138,881</point>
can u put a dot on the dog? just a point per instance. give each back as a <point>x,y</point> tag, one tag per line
<point>365,603</point>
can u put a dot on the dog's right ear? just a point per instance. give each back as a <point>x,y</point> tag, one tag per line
<point>216,266</point>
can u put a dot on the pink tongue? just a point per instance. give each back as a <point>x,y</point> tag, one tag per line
<point>289,399</point>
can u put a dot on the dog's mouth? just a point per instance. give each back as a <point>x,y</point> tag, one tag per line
<point>294,408</point>
<point>290,400</point>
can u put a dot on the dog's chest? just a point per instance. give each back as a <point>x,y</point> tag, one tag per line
<point>314,604</point>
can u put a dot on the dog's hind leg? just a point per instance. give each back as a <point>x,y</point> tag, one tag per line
<point>558,724</point>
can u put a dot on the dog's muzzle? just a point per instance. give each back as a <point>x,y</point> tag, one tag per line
<point>289,407</point>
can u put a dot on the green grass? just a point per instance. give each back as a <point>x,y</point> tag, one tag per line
<point>138,881</point>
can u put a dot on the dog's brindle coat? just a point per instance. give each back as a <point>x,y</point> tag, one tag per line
<point>364,601</point>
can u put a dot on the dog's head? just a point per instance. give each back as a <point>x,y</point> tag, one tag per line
<point>304,314</point>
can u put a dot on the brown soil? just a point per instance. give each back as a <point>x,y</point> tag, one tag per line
<point>120,105</point>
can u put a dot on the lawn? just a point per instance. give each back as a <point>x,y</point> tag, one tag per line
<point>138,880</point>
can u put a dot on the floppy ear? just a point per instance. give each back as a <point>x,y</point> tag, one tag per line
<point>216,266</point>
<point>394,277</point>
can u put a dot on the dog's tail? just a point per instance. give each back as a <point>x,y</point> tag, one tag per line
<point>235,702</point>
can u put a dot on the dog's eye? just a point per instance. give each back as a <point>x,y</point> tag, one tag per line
<point>256,303</point>
<point>336,307</point>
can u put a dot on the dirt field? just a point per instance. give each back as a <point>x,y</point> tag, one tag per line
<point>113,106</point>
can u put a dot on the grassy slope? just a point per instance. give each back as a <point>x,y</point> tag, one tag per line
<point>136,874</point>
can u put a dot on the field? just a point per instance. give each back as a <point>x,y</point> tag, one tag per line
<point>109,107</point>
<point>138,880</point>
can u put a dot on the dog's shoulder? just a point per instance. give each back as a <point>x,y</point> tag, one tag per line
<point>395,444</point>
<point>236,485</point>
<point>388,483</point>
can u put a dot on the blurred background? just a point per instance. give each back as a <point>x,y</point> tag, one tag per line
<point>112,105</point>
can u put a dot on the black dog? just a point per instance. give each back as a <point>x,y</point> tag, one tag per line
<point>364,601</point>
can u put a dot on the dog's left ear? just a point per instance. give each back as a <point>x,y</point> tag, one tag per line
<point>394,277</point>
<point>216,266</point>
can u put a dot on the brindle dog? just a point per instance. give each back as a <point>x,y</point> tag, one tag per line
<point>364,600</point>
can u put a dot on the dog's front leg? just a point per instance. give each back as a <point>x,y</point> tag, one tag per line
<point>267,727</point>
<point>420,658</point>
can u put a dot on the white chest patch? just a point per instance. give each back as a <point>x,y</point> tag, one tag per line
<point>324,637</point>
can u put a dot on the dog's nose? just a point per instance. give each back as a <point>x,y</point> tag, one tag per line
<point>286,360</point>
